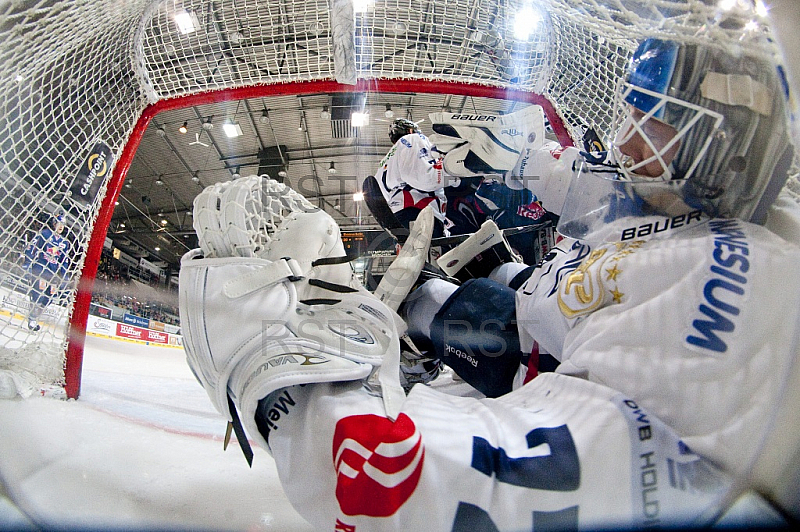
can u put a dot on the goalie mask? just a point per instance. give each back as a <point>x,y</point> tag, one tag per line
<point>697,129</point>
<point>401,127</point>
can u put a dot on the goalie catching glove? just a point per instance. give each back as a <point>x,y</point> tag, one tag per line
<point>288,312</point>
<point>478,145</point>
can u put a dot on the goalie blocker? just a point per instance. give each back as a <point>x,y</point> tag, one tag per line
<point>479,145</point>
<point>294,314</point>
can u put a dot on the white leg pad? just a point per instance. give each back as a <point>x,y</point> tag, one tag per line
<point>246,334</point>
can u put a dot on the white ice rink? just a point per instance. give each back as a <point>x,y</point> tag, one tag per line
<point>140,449</point>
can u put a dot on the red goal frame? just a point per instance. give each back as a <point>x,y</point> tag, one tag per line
<point>80,312</point>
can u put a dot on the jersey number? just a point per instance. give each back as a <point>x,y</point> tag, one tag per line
<point>558,471</point>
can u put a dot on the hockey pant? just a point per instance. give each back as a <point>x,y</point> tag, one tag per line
<point>396,223</point>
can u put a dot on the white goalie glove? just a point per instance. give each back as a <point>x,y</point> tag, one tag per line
<point>239,217</point>
<point>483,144</point>
<point>270,301</point>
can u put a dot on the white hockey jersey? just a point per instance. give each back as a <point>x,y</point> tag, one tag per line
<point>695,319</point>
<point>411,176</point>
<point>558,453</point>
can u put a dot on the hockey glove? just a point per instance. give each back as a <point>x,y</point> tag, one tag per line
<point>486,144</point>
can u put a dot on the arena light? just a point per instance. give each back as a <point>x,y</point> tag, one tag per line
<point>399,29</point>
<point>232,129</point>
<point>358,119</point>
<point>360,6</point>
<point>525,22</point>
<point>316,28</point>
<point>186,21</point>
<point>235,37</point>
<point>358,196</point>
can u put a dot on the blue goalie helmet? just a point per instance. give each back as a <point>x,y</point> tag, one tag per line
<point>711,118</point>
<point>696,128</point>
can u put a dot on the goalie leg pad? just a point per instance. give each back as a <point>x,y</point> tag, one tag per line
<point>475,333</point>
<point>246,333</point>
<point>377,205</point>
<point>398,280</point>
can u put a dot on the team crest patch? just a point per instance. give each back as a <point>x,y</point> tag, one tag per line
<point>378,463</point>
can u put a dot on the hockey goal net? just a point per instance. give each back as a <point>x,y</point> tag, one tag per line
<point>81,80</point>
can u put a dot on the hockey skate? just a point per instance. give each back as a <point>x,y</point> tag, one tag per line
<point>33,325</point>
<point>479,254</point>
<point>416,366</point>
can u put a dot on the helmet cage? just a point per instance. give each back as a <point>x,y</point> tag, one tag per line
<point>627,124</point>
<point>725,120</point>
<point>697,129</point>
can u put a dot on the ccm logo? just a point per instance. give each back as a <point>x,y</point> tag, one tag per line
<point>378,463</point>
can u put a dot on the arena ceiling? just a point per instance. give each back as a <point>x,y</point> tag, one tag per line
<point>547,47</point>
<point>271,44</point>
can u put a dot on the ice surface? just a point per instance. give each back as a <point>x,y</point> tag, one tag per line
<point>140,449</point>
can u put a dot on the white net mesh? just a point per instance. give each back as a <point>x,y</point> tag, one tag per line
<point>78,74</point>
<point>67,85</point>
